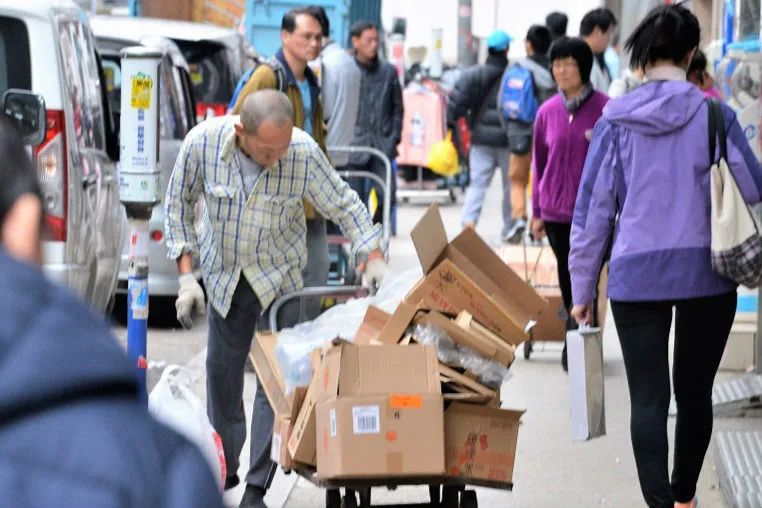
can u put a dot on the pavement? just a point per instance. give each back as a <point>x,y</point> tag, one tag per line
<point>550,469</point>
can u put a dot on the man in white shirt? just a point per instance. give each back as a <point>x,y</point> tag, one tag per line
<point>597,28</point>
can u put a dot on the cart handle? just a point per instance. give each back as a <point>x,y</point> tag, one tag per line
<point>311,291</point>
<point>385,185</point>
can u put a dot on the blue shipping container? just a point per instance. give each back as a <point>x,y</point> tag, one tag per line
<point>263,19</point>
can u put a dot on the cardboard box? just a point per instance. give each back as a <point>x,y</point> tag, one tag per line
<point>348,369</point>
<point>537,267</point>
<point>263,358</point>
<point>480,442</point>
<point>279,449</point>
<point>551,323</point>
<point>371,326</point>
<point>381,436</point>
<point>466,274</point>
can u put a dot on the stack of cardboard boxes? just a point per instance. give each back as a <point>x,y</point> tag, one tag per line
<point>384,405</point>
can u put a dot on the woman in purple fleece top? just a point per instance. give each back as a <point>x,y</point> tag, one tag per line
<point>562,132</point>
<point>645,192</point>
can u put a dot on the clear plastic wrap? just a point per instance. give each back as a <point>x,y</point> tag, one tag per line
<point>342,320</point>
<point>489,373</point>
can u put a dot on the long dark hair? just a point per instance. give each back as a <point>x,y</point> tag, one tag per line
<point>669,32</point>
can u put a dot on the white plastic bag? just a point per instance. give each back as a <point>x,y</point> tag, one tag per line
<point>586,394</point>
<point>174,404</point>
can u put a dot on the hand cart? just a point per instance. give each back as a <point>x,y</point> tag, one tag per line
<point>343,274</point>
<point>444,492</point>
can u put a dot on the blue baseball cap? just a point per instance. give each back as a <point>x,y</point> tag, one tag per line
<point>499,40</point>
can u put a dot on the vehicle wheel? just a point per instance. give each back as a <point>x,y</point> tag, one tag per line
<point>350,499</point>
<point>365,498</point>
<point>332,498</point>
<point>450,497</point>
<point>528,349</point>
<point>468,499</point>
<point>435,495</point>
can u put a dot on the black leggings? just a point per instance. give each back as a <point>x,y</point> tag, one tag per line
<point>702,326</point>
<point>559,235</point>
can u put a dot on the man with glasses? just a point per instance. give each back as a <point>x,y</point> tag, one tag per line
<point>301,42</point>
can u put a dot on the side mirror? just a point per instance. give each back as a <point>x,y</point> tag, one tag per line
<point>27,111</point>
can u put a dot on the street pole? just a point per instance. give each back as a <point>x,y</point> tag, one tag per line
<point>139,187</point>
<point>465,37</point>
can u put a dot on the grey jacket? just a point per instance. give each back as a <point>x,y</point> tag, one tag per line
<point>379,122</point>
<point>341,99</point>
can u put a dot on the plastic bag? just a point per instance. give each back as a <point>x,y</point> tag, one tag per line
<point>342,320</point>
<point>173,403</point>
<point>443,157</point>
<point>488,372</point>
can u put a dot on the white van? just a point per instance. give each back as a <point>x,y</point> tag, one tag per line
<point>46,47</point>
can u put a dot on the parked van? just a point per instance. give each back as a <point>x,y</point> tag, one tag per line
<point>47,47</point>
<point>176,119</point>
<point>217,56</point>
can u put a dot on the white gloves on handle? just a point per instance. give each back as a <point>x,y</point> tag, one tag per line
<point>374,273</point>
<point>189,296</point>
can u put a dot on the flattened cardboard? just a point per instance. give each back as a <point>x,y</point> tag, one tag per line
<point>371,326</point>
<point>279,449</point>
<point>551,323</point>
<point>380,436</point>
<point>480,442</point>
<point>395,327</point>
<point>262,356</point>
<point>466,274</point>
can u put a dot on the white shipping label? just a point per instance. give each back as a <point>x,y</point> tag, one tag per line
<point>332,422</point>
<point>366,419</point>
<point>275,448</point>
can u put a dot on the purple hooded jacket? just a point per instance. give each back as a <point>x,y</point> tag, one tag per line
<point>646,180</point>
<point>559,147</point>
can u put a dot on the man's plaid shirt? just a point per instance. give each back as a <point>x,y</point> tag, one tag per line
<point>262,235</point>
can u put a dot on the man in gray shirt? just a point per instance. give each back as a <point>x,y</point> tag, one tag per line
<point>340,90</point>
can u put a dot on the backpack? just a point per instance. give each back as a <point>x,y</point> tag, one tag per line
<point>516,96</point>
<point>280,80</point>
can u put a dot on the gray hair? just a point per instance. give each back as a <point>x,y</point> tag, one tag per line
<point>266,105</point>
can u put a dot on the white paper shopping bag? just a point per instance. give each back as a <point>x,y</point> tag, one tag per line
<point>585,357</point>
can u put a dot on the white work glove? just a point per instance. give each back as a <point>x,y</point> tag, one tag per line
<point>375,269</point>
<point>190,295</point>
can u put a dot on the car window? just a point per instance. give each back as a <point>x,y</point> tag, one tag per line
<point>82,83</point>
<point>214,73</point>
<point>15,64</point>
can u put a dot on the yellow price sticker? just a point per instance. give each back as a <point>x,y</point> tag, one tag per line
<point>140,96</point>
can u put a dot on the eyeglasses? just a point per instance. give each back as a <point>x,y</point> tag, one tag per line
<point>310,37</point>
<point>564,64</point>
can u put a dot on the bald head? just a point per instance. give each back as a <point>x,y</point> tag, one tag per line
<point>263,106</point>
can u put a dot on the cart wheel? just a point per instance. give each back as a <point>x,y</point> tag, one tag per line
<point>365,498</point>
<point>528,349</point>
<point>450,497</point>
<point>350,499</point>
<point>332,498</point>
<point>468,499</point>
<point>435,495</point>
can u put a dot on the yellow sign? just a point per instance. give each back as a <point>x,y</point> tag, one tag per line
<point>140,96</point>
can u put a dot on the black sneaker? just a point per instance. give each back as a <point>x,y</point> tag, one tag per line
<point>253,497</point>
<point>516,232</point>
<point>231,482</point>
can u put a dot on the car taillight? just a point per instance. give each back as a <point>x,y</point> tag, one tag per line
<point>206,110</point>
<point>52,173</point>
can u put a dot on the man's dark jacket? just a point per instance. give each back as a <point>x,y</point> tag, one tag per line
<point>72,430</point>
<point>475,97</point>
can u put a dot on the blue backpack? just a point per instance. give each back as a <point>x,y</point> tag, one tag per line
<point>516,96</point>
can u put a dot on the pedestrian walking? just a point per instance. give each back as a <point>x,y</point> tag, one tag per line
<point>557,23</point>
<point>645,192</point>
<point>597,29</point>
<point>519,132</point>
<point>475,98</point>
<point>74,431</point>
<point>698,75</point>
<point>254,173</point>
<point>562,133</point>
<point>301,41</point>
<point>379,120</point>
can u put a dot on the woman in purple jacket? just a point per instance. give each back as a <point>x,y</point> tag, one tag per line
<point>562,132</point>
<point>645,190</point>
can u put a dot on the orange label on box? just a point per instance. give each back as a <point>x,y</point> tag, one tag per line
<point>391,436</point>
<point>405,402</point>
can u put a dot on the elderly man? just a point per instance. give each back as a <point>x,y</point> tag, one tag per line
<point>254,172</point>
